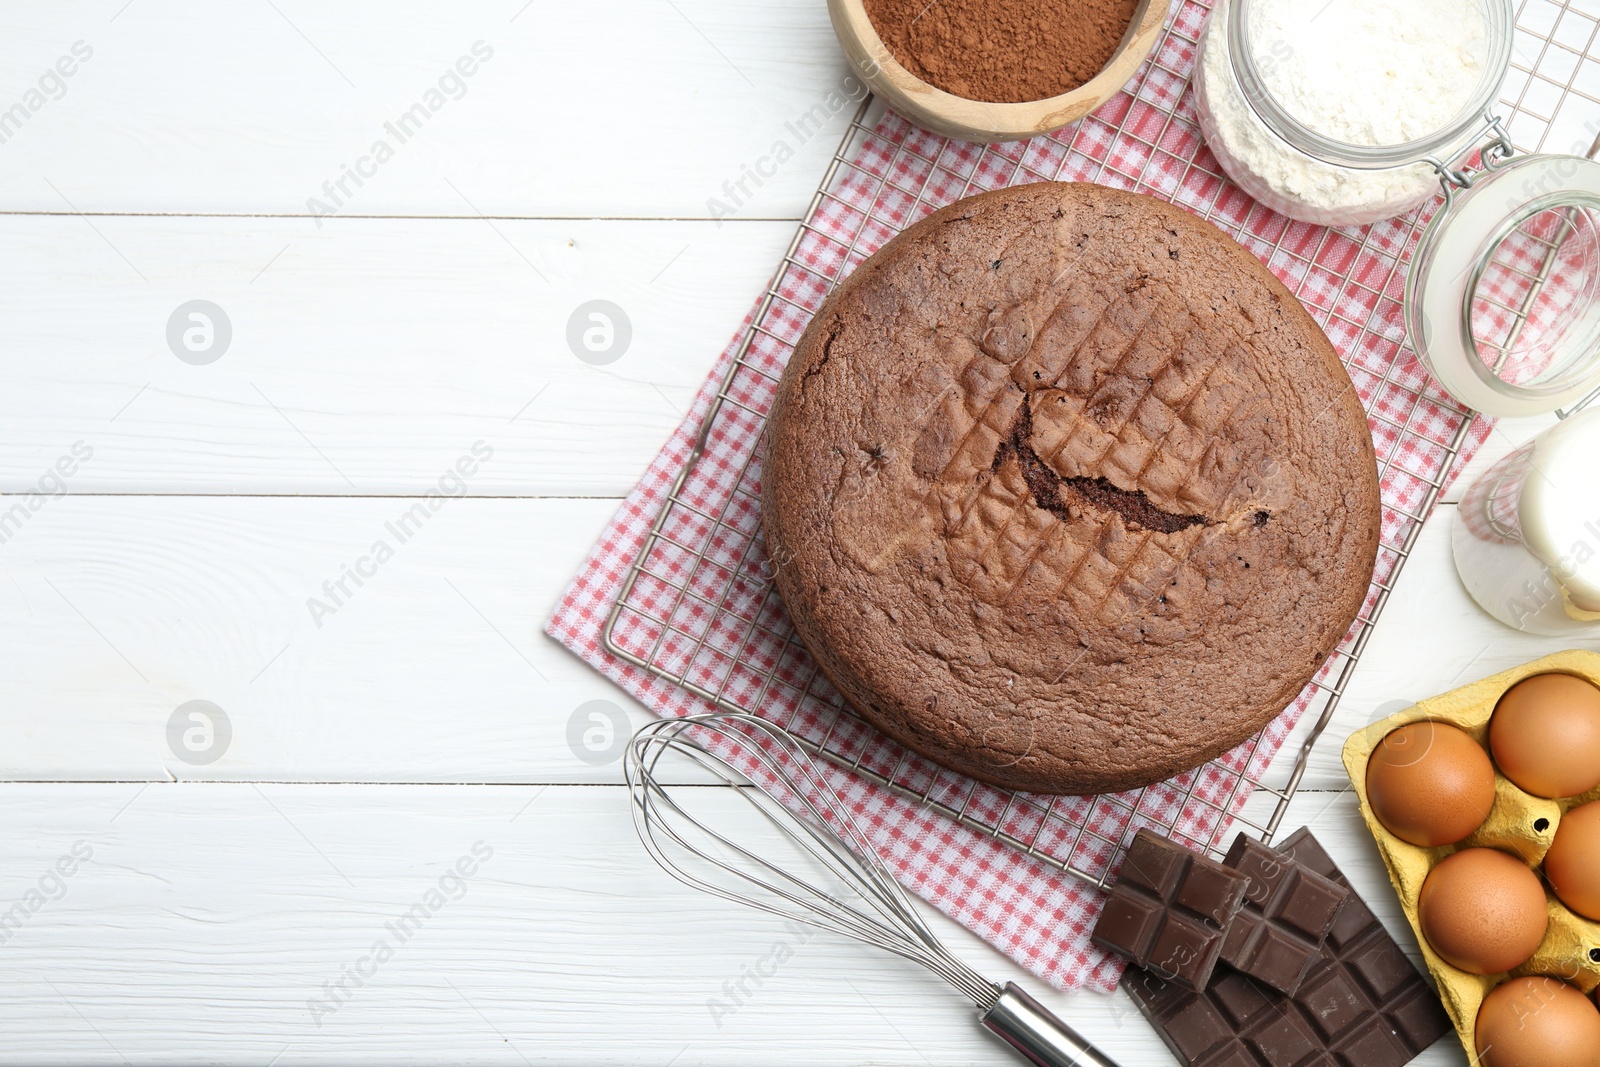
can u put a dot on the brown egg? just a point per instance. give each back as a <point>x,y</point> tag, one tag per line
<point>1482,910</point>
<point>1545,735</point>
<point>1572,865</point>
<point>1537,1022</point>
<point>1430,783</point>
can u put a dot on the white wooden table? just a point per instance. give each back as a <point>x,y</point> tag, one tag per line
<point>227,911</point>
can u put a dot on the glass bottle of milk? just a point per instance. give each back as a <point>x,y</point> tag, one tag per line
<point>1527,533</point>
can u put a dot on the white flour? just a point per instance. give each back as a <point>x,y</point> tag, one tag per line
<point>1367,72</point>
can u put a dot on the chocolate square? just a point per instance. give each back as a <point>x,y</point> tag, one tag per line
<point>1211,892</point>
<point>1373,1044</point>
<point>1414,1016</point>
<point>1278,955</point>
<point>1332,1002</point>
<point>1132,921</point>
<point>1361,1004</point>
<point>1168,910</point>
<point>1381,966</point>
<point>1313,904</point>
<point>1353,920</point>
<point>1285,1041</point>
<point>1240,998</point>
<point>1183,947</point>
<point>1199,1027</point>
<point>1158,869</point>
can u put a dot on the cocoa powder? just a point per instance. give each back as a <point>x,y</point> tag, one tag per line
<point>1002,51</point>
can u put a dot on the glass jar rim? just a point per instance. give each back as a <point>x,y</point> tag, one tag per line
<point>1448,140</point>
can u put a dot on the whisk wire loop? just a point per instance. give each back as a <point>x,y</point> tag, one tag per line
<point>863,900</point>
<point>846,887</point>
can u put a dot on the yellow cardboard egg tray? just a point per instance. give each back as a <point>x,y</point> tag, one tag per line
<point>1518,823</point>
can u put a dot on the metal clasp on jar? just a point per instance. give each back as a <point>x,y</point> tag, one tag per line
<point>1496,152</point>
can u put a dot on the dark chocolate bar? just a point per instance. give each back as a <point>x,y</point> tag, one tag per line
<point>1362,1005</point>
<point>1169,909</point>
<point>1288,910</point>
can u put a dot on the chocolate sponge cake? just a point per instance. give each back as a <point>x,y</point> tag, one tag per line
<point>1065,491</point>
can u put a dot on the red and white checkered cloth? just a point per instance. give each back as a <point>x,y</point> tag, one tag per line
<point>702,613</point>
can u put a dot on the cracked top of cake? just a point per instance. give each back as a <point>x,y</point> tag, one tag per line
<point>1065,491</point>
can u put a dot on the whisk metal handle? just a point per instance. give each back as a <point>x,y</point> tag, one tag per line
<point>1037,1035</point>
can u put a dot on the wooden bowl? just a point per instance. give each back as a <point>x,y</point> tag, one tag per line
<point>975,120</point>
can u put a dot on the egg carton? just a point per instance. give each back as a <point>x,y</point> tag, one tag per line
<point>1518,823</point>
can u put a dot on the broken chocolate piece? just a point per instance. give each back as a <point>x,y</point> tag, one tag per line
<point>1288,910</point>
<point>1169,909</point>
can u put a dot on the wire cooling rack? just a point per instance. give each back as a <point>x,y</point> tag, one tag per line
<point>698,607</point>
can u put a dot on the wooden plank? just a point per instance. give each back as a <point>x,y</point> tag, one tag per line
<point>364,357</point>
<point>211,923</point>
<point>433,668</point>
<point>635,108</point>
<point>117,610</point>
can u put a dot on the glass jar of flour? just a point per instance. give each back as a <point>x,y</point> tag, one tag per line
<point>1344,112</point>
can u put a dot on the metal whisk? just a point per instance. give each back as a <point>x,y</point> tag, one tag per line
<point>820,869</point>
